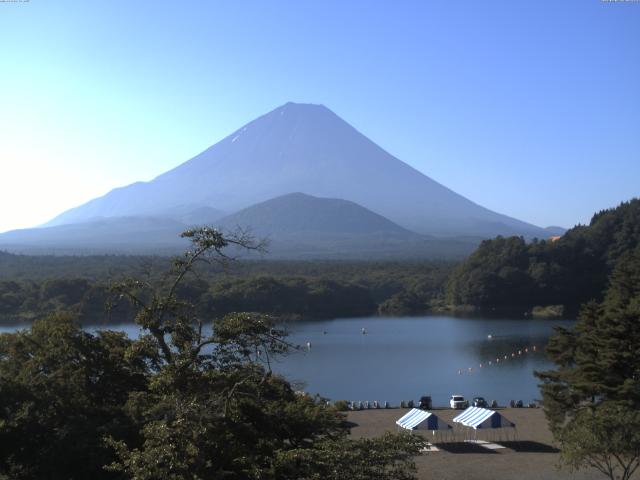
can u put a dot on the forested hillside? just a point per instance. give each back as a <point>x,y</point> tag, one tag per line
<point>508,273</point>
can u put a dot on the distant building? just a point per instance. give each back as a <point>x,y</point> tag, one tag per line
<point>555,238</point>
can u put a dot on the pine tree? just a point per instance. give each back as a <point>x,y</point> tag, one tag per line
<point>592,400</point>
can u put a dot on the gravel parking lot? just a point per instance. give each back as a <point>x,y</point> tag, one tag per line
<point>532,456</point>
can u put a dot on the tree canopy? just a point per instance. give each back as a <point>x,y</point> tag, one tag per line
<point>175,403</point>
<point>592,400</point>
<point>508,273</point>
<point>319,289</point>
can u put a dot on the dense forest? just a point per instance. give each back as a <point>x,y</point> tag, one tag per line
<point>510,274</point>
<point>31,287</point>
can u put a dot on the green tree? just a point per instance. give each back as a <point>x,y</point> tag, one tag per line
<point>592,399</point>
<point>606,438</point>
<point>385,458</point>
<point>494,275</point>
<point>183,401</point>
<point>214,408</point>
<point>61,391</point>
<point>511,274</point>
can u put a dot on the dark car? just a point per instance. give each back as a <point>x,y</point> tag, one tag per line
<point>425,402</point>
<point>479,402</point>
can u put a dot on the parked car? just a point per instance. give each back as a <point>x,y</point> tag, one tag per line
<point>458,401</point>
<point>425,402</point>
<point>479,402</point>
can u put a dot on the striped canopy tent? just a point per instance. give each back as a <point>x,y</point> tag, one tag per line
<point>416,419</point>
<point>482,418</point>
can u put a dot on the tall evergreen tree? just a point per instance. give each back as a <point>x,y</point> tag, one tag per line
<point>592,400</point>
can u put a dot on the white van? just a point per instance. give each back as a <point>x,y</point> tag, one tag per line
<point>458,401</point>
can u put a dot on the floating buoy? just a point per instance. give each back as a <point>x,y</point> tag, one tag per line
<point>522,351</point>
<point>309,346</point>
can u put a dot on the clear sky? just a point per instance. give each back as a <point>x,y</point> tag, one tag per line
<point>530,108</point>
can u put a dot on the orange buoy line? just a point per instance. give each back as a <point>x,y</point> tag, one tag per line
<point>489,363</point>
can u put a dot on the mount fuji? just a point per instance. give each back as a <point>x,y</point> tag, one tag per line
<point>296,148</point>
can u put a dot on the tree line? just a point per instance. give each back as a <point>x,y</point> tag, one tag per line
<point>511,274</point>
<point>313,291</point>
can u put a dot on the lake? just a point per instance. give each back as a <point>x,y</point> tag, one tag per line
<point>404,358</point>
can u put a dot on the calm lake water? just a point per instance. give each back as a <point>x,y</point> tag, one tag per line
<point>404,358</point>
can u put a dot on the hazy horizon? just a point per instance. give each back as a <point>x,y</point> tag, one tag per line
<point>530,110</point>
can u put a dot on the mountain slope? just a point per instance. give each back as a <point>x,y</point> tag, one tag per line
<point>298,214</point>
<point>99,235</point>
<point>304,148</point>
<point>302,226</point>
<point>297,226</point>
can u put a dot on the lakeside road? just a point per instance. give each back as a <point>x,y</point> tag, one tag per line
<point>532,457</point>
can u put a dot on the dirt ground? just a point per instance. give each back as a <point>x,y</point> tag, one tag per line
<point>531,456</point>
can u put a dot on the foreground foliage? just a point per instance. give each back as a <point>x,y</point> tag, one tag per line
<point>61,391</point>
<point>592,400</point>
<point>183,401</point>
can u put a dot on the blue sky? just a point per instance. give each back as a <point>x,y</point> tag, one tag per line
<point>531,109</point>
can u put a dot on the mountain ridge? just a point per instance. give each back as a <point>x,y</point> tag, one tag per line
<point>304,148</point>
<point>296,226</point>
<point>297,212</point>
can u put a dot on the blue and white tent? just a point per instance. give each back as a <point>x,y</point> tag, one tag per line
<point>417,419</point>
<point>476,417</point>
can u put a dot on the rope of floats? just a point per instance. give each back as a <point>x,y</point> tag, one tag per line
<point>500,359</point>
